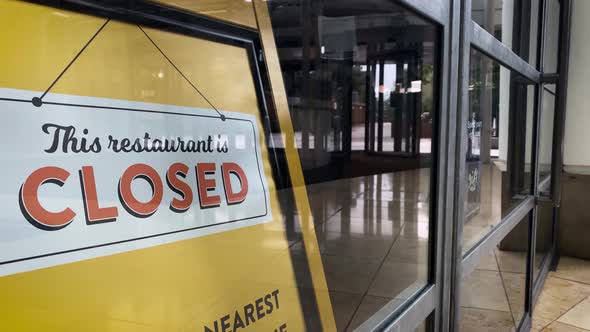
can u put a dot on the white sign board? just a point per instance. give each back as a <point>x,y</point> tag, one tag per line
<point>86,177</point>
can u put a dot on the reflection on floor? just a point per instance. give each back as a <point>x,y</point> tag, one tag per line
<point>373,237</point>
<point>492,297</point>
<point>564,303</point>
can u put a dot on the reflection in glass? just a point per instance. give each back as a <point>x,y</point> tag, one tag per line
<point>427,324</point>
<point>551,37</point>
<point>513,22</point>
<point>530,13</point>
<point>546,138</point>
<point>493,295</point>
<point>492,15</point>
<point>544,233</point>
<point>360,86</point>
<point>498,146</point>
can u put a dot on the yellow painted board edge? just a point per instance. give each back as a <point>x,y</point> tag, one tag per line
<point>294,163</point>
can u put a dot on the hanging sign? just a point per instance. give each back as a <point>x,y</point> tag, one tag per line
<point>94,177</point>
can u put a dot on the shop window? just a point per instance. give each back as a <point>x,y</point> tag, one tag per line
<point>493,295</point>
<point>498,161</point>
<point>514,22</point>
<point>361,83</point>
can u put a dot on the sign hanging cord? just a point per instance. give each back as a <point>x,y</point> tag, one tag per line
<point>38,101</point>
<point>181,73</point>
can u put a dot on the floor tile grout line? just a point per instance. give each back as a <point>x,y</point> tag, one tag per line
<point>576,281</point>
<point>505,291</point>
<point>495,310</point>
<point>397,236</point>
<point>349,293</point>
<point>372,281</point>
<point>565,312</point>
<point>577,327</point>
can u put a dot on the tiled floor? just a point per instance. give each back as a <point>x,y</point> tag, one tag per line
<point>373,235</point>
<point>564,303</point>
<point>492,297</point>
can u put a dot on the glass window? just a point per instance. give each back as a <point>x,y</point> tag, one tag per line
<point>361,87</point>
<point>532,20</point>
<point>427,324</point>
<point>546,138</point>
<point>493,295</point>
<point>499,146</point>
<point>514,23</point>
<point>495,16</point>
<point>544,233</point>
<point>551,37</point>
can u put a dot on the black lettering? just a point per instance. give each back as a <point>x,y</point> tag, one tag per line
<point>209,142</point>
<point>146,140</point>
<point>249,313</point>
<point>71,140</point>
<point>95,146</point>
<point>181,146</point>
<point>268,303</point>
<point>218,143</point>
<point>275,293</point>
<point>113,144</point>
<point>170,146</point>
<point>215,324</point>
<point>125,144</point>
<point>67,134</point>
<point>259,308</point>
<point>136,147</point>
<point>190,146</point>
<point>83,142</point>
<point>64,137</point>
<point>157,145</point>
<point>201,146</point>
<point>238,323</point>
<point>225,324</point>
<point>55,141</point>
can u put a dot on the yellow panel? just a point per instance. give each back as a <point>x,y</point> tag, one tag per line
<point>235,11</point>
<point>207,65</point>
<point>297,179</point>
<point>122,63</point>
<point>174,287</point>
<point>37,43</point>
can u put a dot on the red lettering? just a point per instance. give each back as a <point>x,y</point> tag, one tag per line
<point>32,209</point>
<point>205,185</point>
<point>131,204</point>
<point>179,187</point>
<point>94,213</point>
<point>227,169</point>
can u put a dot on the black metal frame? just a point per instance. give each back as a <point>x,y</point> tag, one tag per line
<point>476,37</point>
<point>459,34</point>
<point>433,296</point>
